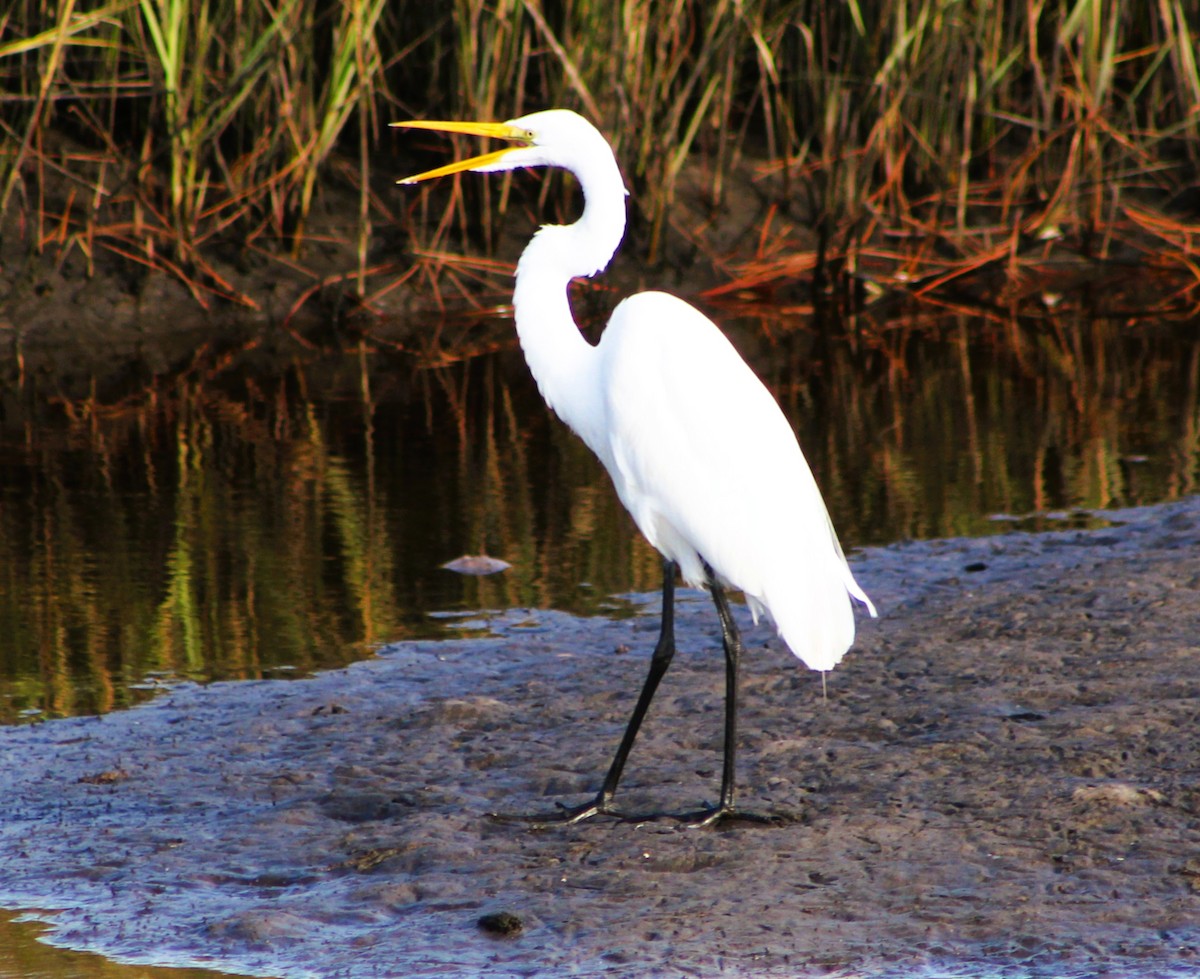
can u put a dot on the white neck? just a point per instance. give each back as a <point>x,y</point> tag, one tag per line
<point>560,359</point>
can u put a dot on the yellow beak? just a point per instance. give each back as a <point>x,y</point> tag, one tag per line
<point>498,130</point>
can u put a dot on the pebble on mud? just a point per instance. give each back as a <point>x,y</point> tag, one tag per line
<point>502,924</point>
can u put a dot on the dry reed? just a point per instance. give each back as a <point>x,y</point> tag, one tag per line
<point>162,132</point>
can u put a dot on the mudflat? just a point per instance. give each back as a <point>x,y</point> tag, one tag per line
<point>1001,781</point>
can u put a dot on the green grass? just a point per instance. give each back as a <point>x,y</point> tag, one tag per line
<point>164,132</point>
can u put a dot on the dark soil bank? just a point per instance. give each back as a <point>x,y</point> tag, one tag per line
<point>1002,782</point>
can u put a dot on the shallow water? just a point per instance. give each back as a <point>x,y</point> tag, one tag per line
<point>24,954</point>
<point>259,516</point>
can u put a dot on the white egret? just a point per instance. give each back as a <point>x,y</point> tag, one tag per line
<point>698,450</point>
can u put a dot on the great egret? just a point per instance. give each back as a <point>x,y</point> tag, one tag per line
<point>697,448</point>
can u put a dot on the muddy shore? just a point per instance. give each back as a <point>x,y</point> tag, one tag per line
<point>1001,782</point>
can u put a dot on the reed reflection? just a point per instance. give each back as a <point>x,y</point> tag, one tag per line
<point>250,518</point>
<point>934,426</point>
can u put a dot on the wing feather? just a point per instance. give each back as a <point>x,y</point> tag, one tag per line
<point>707,464</point>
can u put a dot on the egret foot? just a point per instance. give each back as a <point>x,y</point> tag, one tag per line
<point>562,816</point>
<point>729,816</point>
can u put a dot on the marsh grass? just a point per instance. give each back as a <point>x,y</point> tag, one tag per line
<point>900,142</point>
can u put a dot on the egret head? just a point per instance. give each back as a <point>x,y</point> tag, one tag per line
<point>552,138</point>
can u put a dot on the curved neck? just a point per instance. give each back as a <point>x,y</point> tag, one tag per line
<point>560,359</point>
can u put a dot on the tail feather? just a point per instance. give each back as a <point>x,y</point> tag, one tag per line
<point>816,618</point>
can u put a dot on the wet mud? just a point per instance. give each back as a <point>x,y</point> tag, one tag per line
<point>1002,781</point>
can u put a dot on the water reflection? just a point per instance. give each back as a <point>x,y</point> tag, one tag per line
<point>24,955</point>
<point>253,516</point>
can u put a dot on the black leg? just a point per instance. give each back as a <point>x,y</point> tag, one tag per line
<point>732,642</point>
<point>664,651</point>
<point>726,810</point>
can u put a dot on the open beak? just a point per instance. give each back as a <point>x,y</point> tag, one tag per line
<point>498,130</point>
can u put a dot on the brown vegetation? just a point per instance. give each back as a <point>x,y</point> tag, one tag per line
<point>892,146</point>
